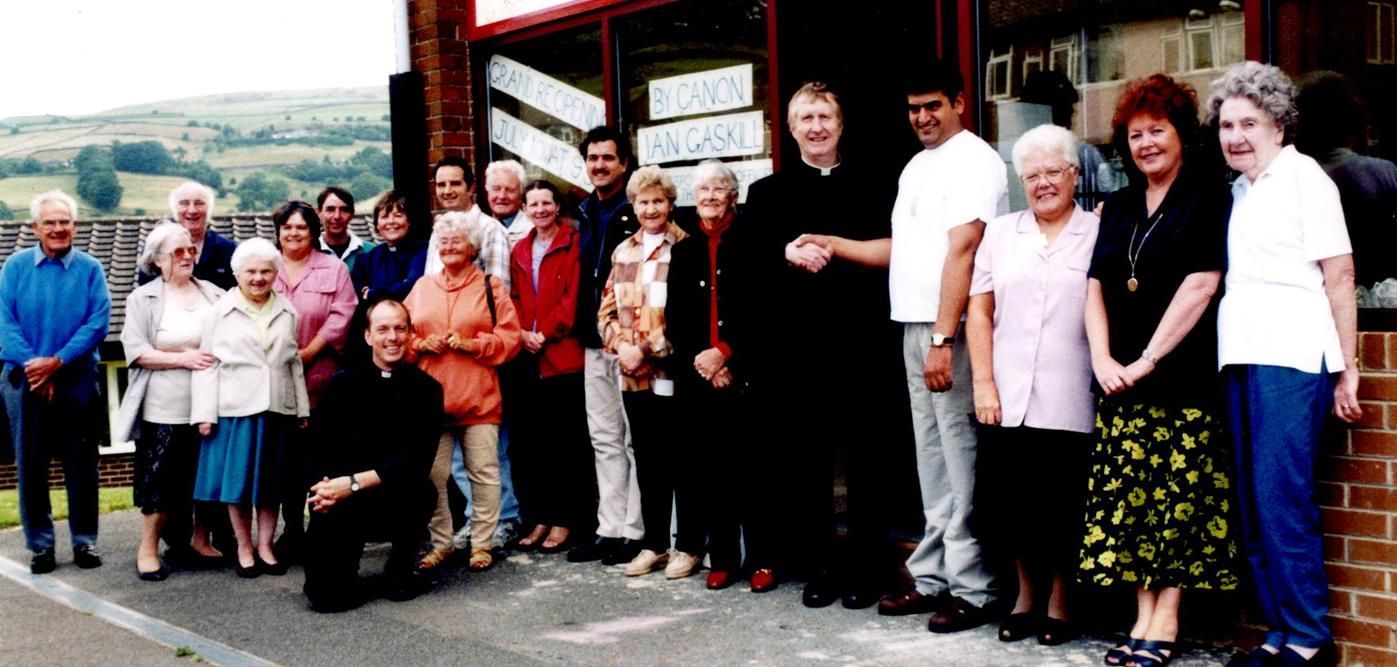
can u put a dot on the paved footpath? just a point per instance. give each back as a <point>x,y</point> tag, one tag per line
<point>529,610</point>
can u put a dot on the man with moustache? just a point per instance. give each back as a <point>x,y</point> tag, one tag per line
<point>819,411</point>
<point>336,209</point>
<point>192,205</point>
<point>606,219</point>
<point>54,311</point>
<point>945,195</point>
<point>379,427</point>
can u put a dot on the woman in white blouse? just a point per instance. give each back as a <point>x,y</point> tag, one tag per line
<point>1031,368</point>
<point>1286,346</point>
<point>164,325</point>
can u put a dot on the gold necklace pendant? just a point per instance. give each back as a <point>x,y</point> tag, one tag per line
<point>1132,284</point>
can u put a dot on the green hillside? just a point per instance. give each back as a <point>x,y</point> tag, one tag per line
<point>235,134</point>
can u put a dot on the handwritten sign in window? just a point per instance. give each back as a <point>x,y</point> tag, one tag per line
<point>729,135</point>
<point>537,148</point>
<point>702,92</point>
<point>545,93</point>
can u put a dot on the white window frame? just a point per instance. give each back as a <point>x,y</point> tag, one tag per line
<point>995,89</point>
<point>1073,50</point>
<point>1384,50</point>
<point>1032,58</point>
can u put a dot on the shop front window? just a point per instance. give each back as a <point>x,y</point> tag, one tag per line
<point>693,86</point>
<point>1093,48</point>
<point>544,94</point>
<point>1347,100</point>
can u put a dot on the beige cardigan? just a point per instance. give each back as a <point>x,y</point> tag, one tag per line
<point>248,378</point>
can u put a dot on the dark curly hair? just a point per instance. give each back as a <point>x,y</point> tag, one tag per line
<point>283,214</point>
<point>1157,96</point>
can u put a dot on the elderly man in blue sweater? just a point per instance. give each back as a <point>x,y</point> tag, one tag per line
<point>54,311</point>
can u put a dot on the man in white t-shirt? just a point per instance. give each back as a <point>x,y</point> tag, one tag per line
<point>945,195</point>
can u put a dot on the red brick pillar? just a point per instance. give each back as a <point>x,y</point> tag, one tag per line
<point>440,53</point>
<point>1359,506</point>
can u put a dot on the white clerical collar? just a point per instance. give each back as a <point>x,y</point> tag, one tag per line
<point>824,171</point>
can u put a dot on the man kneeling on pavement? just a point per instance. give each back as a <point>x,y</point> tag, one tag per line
<point>381,422</point>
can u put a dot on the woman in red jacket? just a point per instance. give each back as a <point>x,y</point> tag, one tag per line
<point>549,446</point>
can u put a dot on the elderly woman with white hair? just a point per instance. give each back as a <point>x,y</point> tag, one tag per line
<point>709,321</point>
<point>248,402</point>
<point>1290,269</point>
<point>632,321</point>
<point>463,328</point>
<point>192,204</point>
<point>161,337</point>
<point>1031,369</point>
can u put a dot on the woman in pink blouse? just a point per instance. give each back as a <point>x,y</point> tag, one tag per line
<point>319,288</point>
<point>1031,369</point>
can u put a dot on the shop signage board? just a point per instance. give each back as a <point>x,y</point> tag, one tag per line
<point>536,147</point>
<point>705,92</point>
<point>545,93</point>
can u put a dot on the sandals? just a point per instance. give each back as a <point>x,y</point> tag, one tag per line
<point>1151,653</point>
<point>1118,656</point>
<point>434,558</point>
<point>531,541</point>
<point>552,544</point>
<point>1018,626</point>
<point>481,560</point>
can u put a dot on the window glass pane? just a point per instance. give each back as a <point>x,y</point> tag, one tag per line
<point>693,86</point>
<point>544,94</point>
<point>1114,42</point>
<point>1347,107</point>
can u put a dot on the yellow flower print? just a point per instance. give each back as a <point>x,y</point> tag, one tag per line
<point>1088,564</point>
<point>1112,485</point>
<point>1169,533</point>
<point>1176,460</point>
<point>1117,515</point>
<point>1218,527</point>
<point>1136,451</point>
<point>1220,481</point>
<point>1130,576</point>
<point>1146,551</point>
<point>1191,476</point>
<point>1157,413</point>
<point>1136,497</point>
<point>1203,437</point>
<point>1183,511</point>
<point>1209,550</point>
<point>1160,493</point>
<point>1151,519</point>
<point>1188,441</point>
<point>1095,535</point>
<point>1107,558</point>
<point>1227,581</point>
<point>1161,434</point>
<point>1196,568</point>
<point>1155,460</point>
<point>1192,414</point>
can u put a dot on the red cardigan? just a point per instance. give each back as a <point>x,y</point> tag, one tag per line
<point>553,308</point>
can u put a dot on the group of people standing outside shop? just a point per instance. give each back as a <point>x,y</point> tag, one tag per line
<point>1100,397</point>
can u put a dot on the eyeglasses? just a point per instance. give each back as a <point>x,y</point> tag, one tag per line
<point>712,189</point>
<point>181,253</point>
<point>1053,176</point>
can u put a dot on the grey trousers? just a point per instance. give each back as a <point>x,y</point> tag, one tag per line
<point>618,492</point>
<point>948,557</point>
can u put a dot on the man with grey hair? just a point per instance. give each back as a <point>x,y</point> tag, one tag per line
<point>54,311</point>
<point>191,204</point>
<point>504,193</point>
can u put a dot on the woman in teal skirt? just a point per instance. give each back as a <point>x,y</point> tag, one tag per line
<point>1158,501</point>
<point>247,404</point>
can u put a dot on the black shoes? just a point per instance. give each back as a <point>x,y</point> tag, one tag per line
<point>404,587</point>
<point>819,592</point>
<point>958,616</point>
<point>158,575</point>
<point>593,551</point>
<point>827,587</point>
<point>621,553</point>
<point>85,557</point>
<point>43,562</point>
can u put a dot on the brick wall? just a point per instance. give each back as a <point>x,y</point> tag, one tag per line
<point>114,470</point>
<point>1358,499</point>
<point>439,51</point>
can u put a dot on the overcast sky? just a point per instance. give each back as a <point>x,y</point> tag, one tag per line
<point>73,57</point>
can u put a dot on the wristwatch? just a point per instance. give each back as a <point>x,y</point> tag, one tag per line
<point>941,340</point>
<point>353,484</point>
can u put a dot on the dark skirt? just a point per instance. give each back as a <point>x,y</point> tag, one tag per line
<point>1031,485</point>
<point>242,462</point>
<point>166,458</point>
<point>1159,510</point>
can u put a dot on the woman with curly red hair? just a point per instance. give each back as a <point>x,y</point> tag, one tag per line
<point>1157,497</point>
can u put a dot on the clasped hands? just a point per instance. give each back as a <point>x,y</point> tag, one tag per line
<point>38,372</point>
<point>439,343</point>
<point>327,492</point>
<point>811,252</point>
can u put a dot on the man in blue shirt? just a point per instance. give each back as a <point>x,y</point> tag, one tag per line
<point>54,311</point>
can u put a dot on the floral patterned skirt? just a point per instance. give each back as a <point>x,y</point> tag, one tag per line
<point>1159,509</point>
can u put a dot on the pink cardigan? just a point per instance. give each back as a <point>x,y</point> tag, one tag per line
<point>324,298</point>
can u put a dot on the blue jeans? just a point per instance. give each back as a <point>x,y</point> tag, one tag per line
<point>1275,416</point>
<point>509,505</point>
<point>41,430</point>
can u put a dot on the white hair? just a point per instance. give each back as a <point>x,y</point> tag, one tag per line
<point>206,193</point>
<point>156,239</point>
<point>37,203</point>
<point>458,221</point>
<point>506,167</point>
<point>1046,139</point>
<point>717,170</point>
<point>253,249</point>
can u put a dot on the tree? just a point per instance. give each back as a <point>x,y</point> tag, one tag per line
<point>100,188</point>
<point>144,157</point>
<point>260,192</point>
<point>5,213</point>
<point>366,185</point>
<point>30,165</point>
<point>374,160</point>
<point>14,129</point>
<point>200,171</point>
